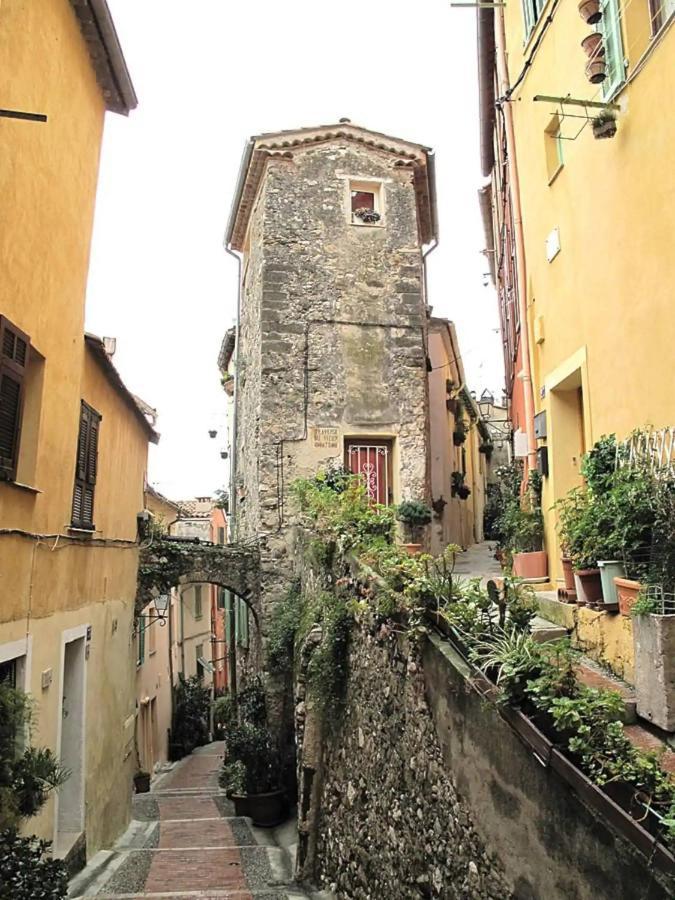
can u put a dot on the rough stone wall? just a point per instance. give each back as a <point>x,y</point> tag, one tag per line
<point>332,333</point>
<point>391,823</point>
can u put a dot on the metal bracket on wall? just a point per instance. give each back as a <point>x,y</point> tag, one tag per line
<point>26,116</point>
<point>563,113</point>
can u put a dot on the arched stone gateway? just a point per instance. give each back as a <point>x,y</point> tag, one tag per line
<point>165,564</point>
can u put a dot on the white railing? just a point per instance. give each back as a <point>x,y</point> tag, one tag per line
<point>653,448</point>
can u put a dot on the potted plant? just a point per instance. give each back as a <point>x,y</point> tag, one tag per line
<point>604,124</point>
<point>590,11</point>
<point>367,215</point>
<point>251,774</point>
<point>523,526</point>
<point>634,511</point>
<point>414,515</point>
<point>459,433</point>
<point>142,782</point>
<point>457,486</point>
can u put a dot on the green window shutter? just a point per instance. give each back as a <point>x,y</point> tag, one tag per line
<point>244,624</point>
<point>610,27</point>
<point>86,467</point>
<point>528,16</point>
<point>140,659</point>
<point>14,356</point>
<point>228,607</point>
<point>237,619</point>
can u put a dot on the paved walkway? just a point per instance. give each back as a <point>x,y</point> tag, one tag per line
<point>478,562</point>
<point>184,842</point>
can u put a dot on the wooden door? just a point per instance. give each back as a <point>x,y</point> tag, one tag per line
<point>372,461</point>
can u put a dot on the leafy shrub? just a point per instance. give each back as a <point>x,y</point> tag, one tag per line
<point>511,658</point>
<point>413,512</point>
<point>27,872</point>
<point>251,701</point>
<point>27,775</point>
<point>192,702</point>
<point>344,518</point>
<point>253,763</point>
<point>285,622</point>
<point>224,713</point>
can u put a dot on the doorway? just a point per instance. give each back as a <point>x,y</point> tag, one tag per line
<point>70,820</point>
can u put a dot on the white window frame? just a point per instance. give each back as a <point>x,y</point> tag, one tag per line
<point>374,187</point>
<point>610,28</point>
<point>530,19</point>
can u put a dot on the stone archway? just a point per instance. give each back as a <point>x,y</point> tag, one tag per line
<point>167,563</point>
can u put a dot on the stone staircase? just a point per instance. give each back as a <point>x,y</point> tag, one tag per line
<point>185,842</point>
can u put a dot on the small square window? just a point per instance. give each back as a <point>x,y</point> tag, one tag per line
<point>365,203</point>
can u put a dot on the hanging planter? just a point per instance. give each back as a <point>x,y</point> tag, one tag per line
<point>596,68</point>
<point>590,11</point>
<point>593,46</point>
<point>596,71</point>
<point>369,216</point>
<point>459,434</point>
<point>604,125</point>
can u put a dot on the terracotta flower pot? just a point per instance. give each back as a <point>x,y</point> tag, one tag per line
<point>412,549</point>
<point>589,587</point>
<point>530,565</point>
<point>568,573</point>
<point>596,70</point>
<point>627,591</point>
<point>593,45</point>
<point>590,11</point>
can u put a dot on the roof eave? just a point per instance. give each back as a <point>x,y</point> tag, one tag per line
<point>105,50</point>
<point>280,143</point>
<point>95,345</point>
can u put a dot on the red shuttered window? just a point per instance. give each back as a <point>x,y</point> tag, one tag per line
<point>14,354</point>
<point>85,469</point>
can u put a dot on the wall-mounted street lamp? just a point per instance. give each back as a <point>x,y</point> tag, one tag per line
<point>161,610</point>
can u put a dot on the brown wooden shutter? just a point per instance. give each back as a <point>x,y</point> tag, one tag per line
<point>86,467</point>
<point>14,354</point>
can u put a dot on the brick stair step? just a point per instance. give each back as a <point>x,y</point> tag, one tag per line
<point>646,740</point>
<point>544,631</point>
<point>592,676</point>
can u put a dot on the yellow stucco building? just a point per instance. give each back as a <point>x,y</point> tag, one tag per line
<point>596,267</point>
<point>73,440</point>
<point>460,445</point>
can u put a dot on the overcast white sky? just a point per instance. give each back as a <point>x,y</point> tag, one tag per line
<point>208,74</point>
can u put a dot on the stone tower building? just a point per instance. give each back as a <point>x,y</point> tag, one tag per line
<point>331,225</point>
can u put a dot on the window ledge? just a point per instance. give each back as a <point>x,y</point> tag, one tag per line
<point>29,488</point>
<point>555,174</point>
<point>379,224</point>
<point>85,532</point>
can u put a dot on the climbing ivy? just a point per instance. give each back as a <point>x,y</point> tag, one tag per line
<point>164,562</point>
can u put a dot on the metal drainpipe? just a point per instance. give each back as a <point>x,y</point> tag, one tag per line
<point>233,520</point>
<point>528,393</point>
<point>232,513</point>
<point>182,632</point>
